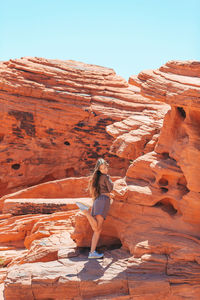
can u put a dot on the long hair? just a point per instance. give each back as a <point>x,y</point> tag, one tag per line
<point>94,187</point>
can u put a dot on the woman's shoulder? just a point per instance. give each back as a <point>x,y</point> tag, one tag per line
<point>104,176</point>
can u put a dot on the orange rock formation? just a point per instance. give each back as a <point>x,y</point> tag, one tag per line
<point>54,116</point>
<point>151,237</point>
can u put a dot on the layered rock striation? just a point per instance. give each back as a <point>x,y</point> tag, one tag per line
<point>151,236</point>
<point>54,116</point>
<point>155,211</point>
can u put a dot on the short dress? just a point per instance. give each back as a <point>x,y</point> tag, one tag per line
<point>101,204</point>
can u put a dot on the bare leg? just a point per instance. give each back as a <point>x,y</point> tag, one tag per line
<point>95,239</point>
<point>91,219</point>
<point>96,234</point>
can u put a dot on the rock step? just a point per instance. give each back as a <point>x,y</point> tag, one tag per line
<point>40,205</point>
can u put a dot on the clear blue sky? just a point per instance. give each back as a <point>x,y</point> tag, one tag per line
<point>127,35</point>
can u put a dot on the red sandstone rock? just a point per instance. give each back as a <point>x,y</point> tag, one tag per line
<point>154,213</point>
<point>137,134</point>
<point>58,128</point>
<point>156,206</point>
<point>43,206</point>
<point>69,278</point>
<point>64,188</point>
<point>180,88</point>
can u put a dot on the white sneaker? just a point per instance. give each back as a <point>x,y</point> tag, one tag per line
<point>82,206</point>
<point>95,254</point>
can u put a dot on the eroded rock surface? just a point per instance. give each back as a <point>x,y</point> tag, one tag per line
<point>151,236</point>
<point>156,205</point>
<point>54,116</point>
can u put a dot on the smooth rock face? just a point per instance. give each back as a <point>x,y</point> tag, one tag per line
<point>151,237</point>
<point>63,188</point>
<point>54,116</point>
<point>74,278</point>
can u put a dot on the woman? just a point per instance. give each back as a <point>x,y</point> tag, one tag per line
<point>100,186</point>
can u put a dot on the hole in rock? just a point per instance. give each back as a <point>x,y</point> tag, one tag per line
<point>182,185</point>
<point>8,160</point>
<point>116,245</point>
<point>163,190</point>
<point>163,182</point>
<point>96,143</point>
<point>181,112</point>
<point>16,166</point>
<point>80,124</point>
<point>67,143</point>
<point>70,172</point>
<point>182,181</point>
<point>165,155</point>
<point>100,249</point>
<point>166,205</point>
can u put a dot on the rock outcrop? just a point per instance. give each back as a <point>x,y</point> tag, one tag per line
<point>155,211</point>
<point>151,236</point>
<point>54,116</point>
